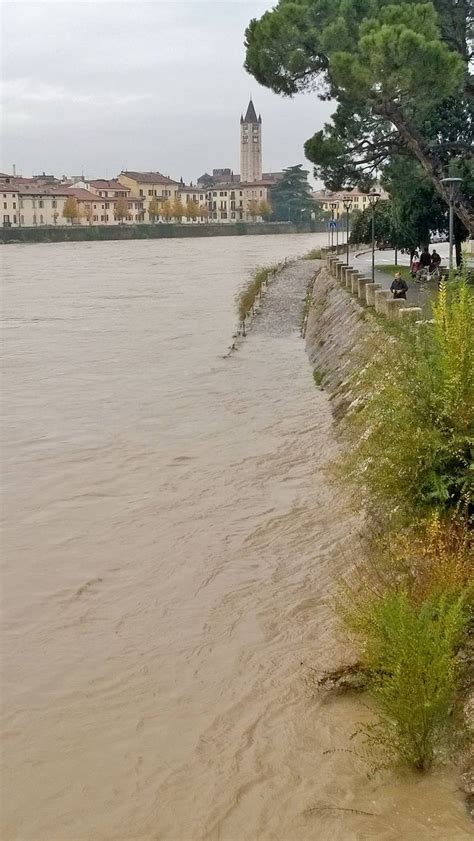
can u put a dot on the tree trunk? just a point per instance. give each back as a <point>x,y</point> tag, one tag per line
<point>415,142</point>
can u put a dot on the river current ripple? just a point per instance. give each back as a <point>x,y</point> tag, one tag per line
<point>170,546</point>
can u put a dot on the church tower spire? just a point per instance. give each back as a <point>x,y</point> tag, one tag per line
<point>250,145</point>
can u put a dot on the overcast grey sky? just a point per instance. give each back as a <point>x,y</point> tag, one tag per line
<point>99,86</point>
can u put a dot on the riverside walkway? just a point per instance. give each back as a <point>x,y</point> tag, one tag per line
<point>420,294</point>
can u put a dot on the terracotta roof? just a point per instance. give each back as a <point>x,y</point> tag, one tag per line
<point>103,184</point>
<point>83,195</point>
<point>8,188</point>
<point>149,177</point>
<point>41,190</point>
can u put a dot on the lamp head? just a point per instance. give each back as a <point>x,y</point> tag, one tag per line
<point>452,185</point>
<point>347,202</point>
<point>373,198</point>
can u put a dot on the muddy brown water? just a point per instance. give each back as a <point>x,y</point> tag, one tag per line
<point>170,544</point>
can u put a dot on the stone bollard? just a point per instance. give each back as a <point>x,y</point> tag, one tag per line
<point>349,274</point>
<point>328,262</point>
<point>345,269</point>
<point>361,284</point>
<point>394,307</point>
<point>340,270</point>
<point>381,298</point>
<point>370,290</point>
<point>410,313</point>
<point>355,282</point>
<point>332,266</point>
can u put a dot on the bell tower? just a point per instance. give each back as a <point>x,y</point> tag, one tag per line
<point>250,145</point>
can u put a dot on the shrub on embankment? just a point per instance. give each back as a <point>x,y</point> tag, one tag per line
<point>409,606</point>
<point>411,425</point>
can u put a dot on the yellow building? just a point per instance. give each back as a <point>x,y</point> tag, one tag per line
<point>359,200</point>
<point>149,186</point>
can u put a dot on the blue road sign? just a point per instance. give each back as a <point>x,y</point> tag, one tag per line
<point>332,225</point>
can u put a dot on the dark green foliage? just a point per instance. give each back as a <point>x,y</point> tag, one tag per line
<point>290,198</point>
<point>398,72</point>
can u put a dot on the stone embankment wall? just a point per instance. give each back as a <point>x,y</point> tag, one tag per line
<point>81,233</point>
<point>339,322</point>
<point>335,332</point>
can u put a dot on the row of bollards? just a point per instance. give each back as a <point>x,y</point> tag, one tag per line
<point>369,293</point>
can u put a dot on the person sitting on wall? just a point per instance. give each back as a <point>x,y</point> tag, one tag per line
<point>399,287</point>
<point>435,260</point>
<point>425,258</point>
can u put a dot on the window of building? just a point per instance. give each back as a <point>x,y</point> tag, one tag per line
<point>102,218</point>
<point>241,195</point>
<point>214,215</point>
<point>223,215</point>
<point>150,192</point>
<point>14,205</point>
<point>34,219</point>
<point>41,219</point>
<point>54,203</point>
<point>33,203</point>
<point>21,202</point>
<point>22,219</point>
<point>5,205</point>
<point>261,194</point>
<point>41,203</point>
<point>95,218</point>
<point>232,215</point>
<point>14,220</point>
<point>141,192</point>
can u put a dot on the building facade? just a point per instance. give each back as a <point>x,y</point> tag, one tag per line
<point>250,146</point>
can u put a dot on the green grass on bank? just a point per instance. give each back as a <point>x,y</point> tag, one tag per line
<point>391,270</point>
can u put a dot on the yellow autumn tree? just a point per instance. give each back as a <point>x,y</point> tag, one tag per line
<point>265,209</point>
<point>203,212</point>
<point>154,210</point>
<point>178,210</point>
<point>166,210</point>
<point>121,209</point>
<point>71,209</point>
<point>192,211</point>
<point>253,209</point>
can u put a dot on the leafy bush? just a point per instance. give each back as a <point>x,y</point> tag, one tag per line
<point>411,651</point>
<point>410,426</point>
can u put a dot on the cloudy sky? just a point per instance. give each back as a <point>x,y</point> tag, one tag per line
<point>99,86</point>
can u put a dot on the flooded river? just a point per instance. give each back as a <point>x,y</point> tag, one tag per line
<point>171,542</point>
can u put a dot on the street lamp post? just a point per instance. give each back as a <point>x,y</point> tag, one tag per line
<point>347,202</point>
<point>333,206</point>
<point>452,185</point>
<point>373,199</point>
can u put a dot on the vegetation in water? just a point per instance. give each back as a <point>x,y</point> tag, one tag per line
<point>407,610</point>
<point>247,296</point>
<point>313,254</point>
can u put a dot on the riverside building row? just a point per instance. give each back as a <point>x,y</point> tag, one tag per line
<point>136,197</point>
